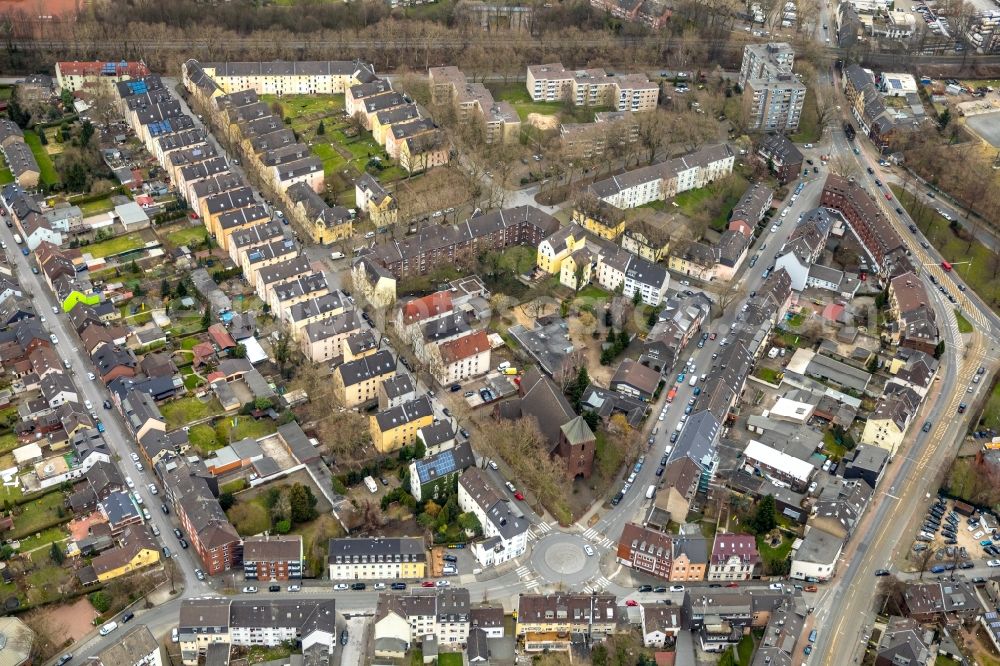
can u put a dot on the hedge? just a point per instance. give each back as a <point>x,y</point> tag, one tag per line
<point>41,528</point>
<point>87,198</point>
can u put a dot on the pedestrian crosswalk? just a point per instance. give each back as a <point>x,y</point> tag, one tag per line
<point>538,531</point>
<point>596,585</point>
<point>598,538</point>
<point>531,581</point>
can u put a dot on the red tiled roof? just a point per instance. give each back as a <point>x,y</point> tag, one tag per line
<point>429,306</point>
<point>95,67</point>
<point>464,347</point>
<point>221,336</point>
<point>727,545</point>
<point>203,350</point>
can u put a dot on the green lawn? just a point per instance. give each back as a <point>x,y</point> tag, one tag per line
<point>49,176</point>
<point>192,381</point>
<point>450,659</point>
<point>592,293</point>
<point>234,486</point>
<point>963,324</point>
<point>775,554</point>
<point>95,207</point>
<point>194,235</point>
<point>8,442</point>
<point>658,204</point>
<point>831,447</point>
<point>6,176</point>
<point>44,538</point>
<point>297,106</point>
<point>37,514</point>
<point>518,96</point>
<point>202,437</point>
<point>333,162</point>
<point>724,194</point>
<point>113,246</point>
<point>976,263</point>
<point>990,417</point>
<point>809,129</point>
<point>186,410</point>
<point>769,375</point>
<point>246,426</point>
<point>250,517</point>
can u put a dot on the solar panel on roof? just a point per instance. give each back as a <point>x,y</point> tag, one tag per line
<point>109,68</point>
<point>436,466</point>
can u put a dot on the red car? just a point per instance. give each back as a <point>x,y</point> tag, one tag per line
<point>732,584</point>
<point>888,196</point>
<point>712,336</point>
<point>427,583</point>
<point>631,602</point>
<point>519,496</point>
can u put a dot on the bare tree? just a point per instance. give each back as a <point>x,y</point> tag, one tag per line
<point>924,558</point>
<point>731,292</point>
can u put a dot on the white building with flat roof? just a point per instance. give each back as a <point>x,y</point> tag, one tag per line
<point>778,466</point>
<point>897,85</point>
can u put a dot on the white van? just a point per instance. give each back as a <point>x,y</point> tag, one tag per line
<point>650,492</point>
<point>370,484</point>
<point>336,255</point>
<point>108,628</point>
<point>679,426</point>
<point>693,380</point>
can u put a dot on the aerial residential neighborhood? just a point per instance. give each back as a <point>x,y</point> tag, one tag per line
<point>461,333</point>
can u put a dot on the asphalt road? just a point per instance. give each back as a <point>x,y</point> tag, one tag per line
<point>910,482</point>
<point>634,506</point>
<point>118,438</point>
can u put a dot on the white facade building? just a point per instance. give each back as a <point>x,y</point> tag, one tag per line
<point>505,528</point>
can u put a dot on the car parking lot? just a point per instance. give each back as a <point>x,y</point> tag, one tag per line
<point>957,539</point>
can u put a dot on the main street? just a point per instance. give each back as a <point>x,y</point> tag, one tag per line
<point>119,440</point>
<point>912,479</point>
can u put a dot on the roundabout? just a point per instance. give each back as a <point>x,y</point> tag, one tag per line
<point>561,559</point>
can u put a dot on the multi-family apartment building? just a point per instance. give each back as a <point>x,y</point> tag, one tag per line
<point>136,647</point>
<point>277,557</point>
<point>397,427</point>
<point>377,558</point>
<point>661,181</point>
<point>505,529</point>
<point>324,340</point>
<point>867,105</point>
<point>323,77</point>
<point>209,621</point>
<point>356,382</point>
<point>473,101</point>
<point>461,358</point>
<point>76,75</point>
<point>588,140</point>
<point>864,218</point>
<point>734,557</point>
<point>459,244</point>
<point>645,550</point>
<point>591,87</point>
<point>552,621</point>
<point>401,620</point>
<point>772,93</point>
<point>433,475</point>
<point>213,538</point>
